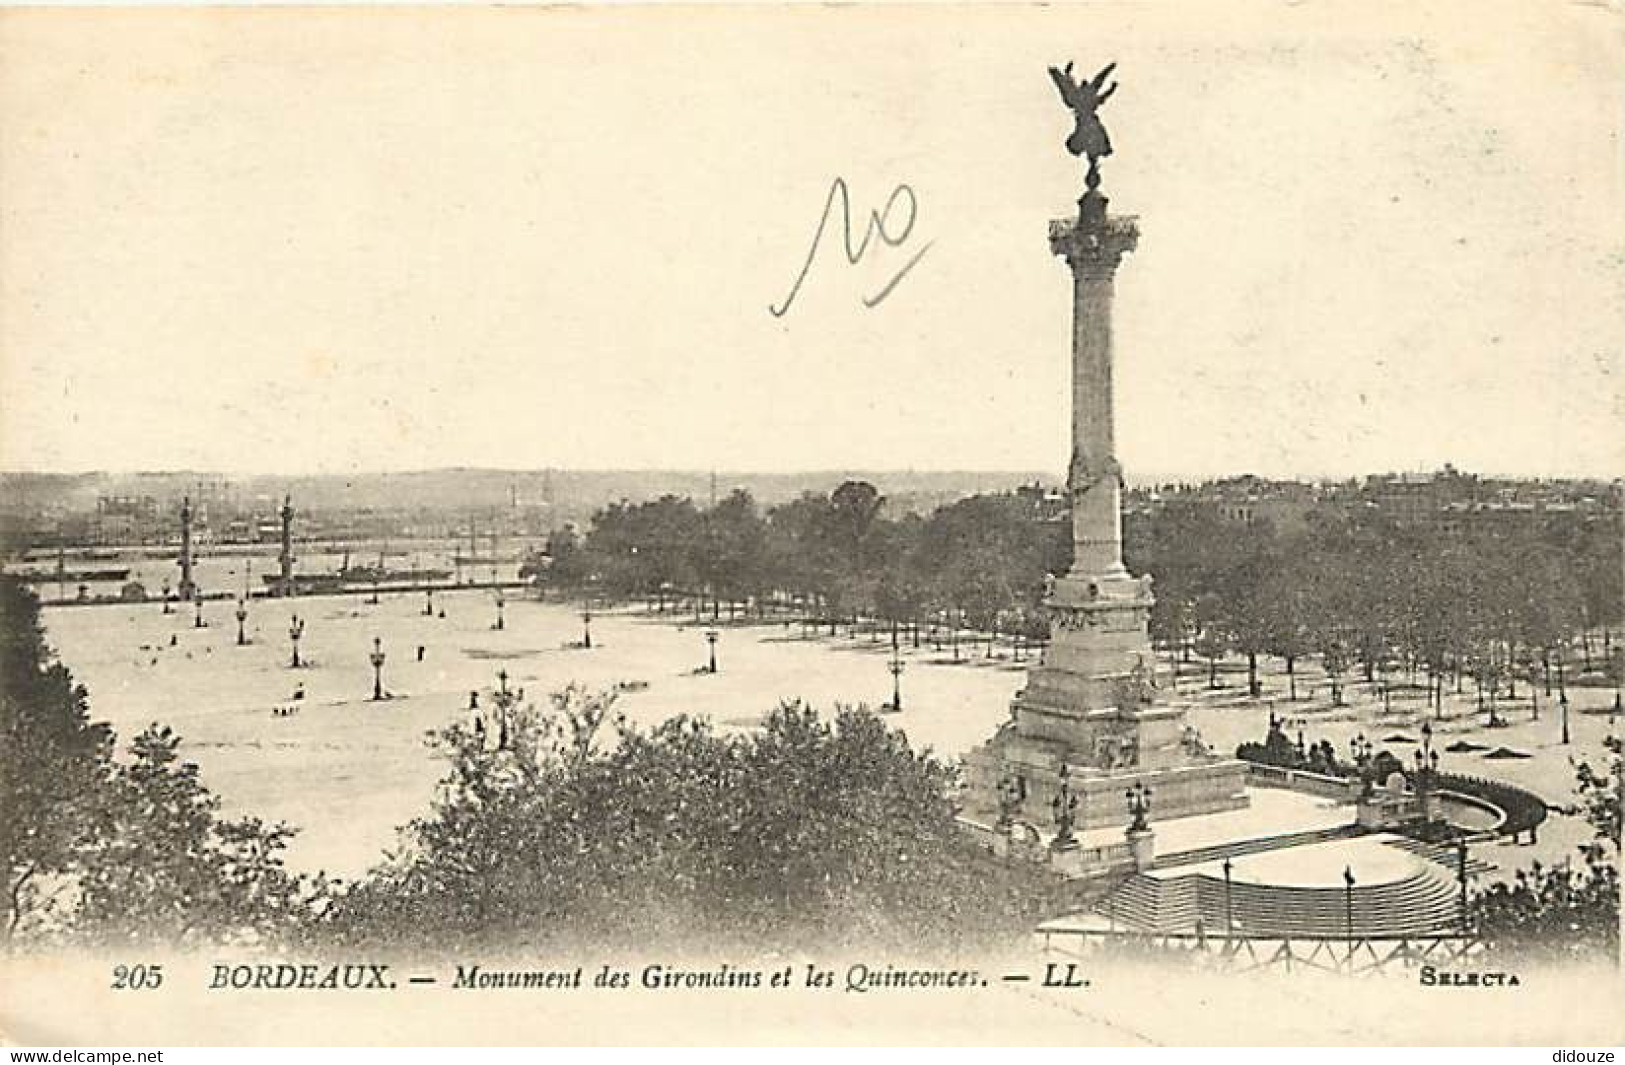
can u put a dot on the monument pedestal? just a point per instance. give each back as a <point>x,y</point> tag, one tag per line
<point>1201,786</point>
<point>1142,843</point>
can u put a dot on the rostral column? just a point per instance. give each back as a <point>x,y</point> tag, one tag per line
<point>1091,721</point>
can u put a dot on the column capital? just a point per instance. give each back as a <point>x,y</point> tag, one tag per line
<point>1094,247</point>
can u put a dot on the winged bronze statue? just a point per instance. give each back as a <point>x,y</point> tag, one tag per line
<point>1089,137</point>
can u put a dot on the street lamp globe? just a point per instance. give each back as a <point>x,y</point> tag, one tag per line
<point>377,659</point>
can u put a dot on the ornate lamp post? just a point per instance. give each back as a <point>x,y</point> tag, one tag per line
<point>501,602</point>
<point>1563,691</point>
<point>1348,909</point>
<point>197,600</point>
<point>1139,806</point>
<point>296,629</point>
<point>1461,877</point>
<point>586,628</point>
<point>1065,808</point>
<point>377,660</point>
<point>1011,792</point>
<point>896,667</point>
<point>1427,764</point>
<point>504,700</point>
<point>1361,749</point>
<point>711,645</point>
<point>242,616</point>
<point>1229,920</point>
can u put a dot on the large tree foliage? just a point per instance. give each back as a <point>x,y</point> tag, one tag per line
<point>1570,911</point>
<point>53,764</point>
<point>584,831</point>
<point>166,868</point>
<point>118,851</point>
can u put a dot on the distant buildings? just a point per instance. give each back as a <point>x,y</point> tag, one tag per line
<point>1048,504</point>
<point>1452,503</point>
<point>125,520</point>
<point>1243,500</point>
<point>1447,503</point>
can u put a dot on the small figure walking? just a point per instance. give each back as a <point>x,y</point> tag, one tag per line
<point>420,652</point>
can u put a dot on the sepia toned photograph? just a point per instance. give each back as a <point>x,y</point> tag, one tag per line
<point>1090,524</point>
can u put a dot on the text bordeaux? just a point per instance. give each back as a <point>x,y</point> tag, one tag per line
<point>365,977</point>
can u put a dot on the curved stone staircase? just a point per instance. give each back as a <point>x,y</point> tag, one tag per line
<point>1237,848</point>
<point>1441,855</point>
<point>1424,902</point>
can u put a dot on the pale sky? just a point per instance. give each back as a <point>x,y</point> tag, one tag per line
<point>294,241</point>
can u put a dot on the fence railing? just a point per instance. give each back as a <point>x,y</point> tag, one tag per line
<point>1329,787</point>
<point>1352,955</point>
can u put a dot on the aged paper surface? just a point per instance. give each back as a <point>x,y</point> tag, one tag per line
<point>266,247</point>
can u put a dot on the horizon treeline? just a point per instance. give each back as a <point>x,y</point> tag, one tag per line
<point>1353,589</point>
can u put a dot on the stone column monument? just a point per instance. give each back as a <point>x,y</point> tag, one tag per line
<point>1092,708</point>
<point>285,556</point>
<point>188,587</point>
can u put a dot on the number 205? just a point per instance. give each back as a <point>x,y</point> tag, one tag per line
<point>137,977</point>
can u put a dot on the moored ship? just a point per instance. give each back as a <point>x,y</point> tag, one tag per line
<point>76,576</point>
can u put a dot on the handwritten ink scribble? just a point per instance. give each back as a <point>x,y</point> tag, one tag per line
<point>880,225</point>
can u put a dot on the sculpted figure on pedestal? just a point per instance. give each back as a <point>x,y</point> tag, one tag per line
<point>1088,138</point>
<point>1086,472</point>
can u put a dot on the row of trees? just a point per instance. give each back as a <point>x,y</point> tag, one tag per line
<point>1355,592</point>
<point>1361,594</point>
<point>979,562</point>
